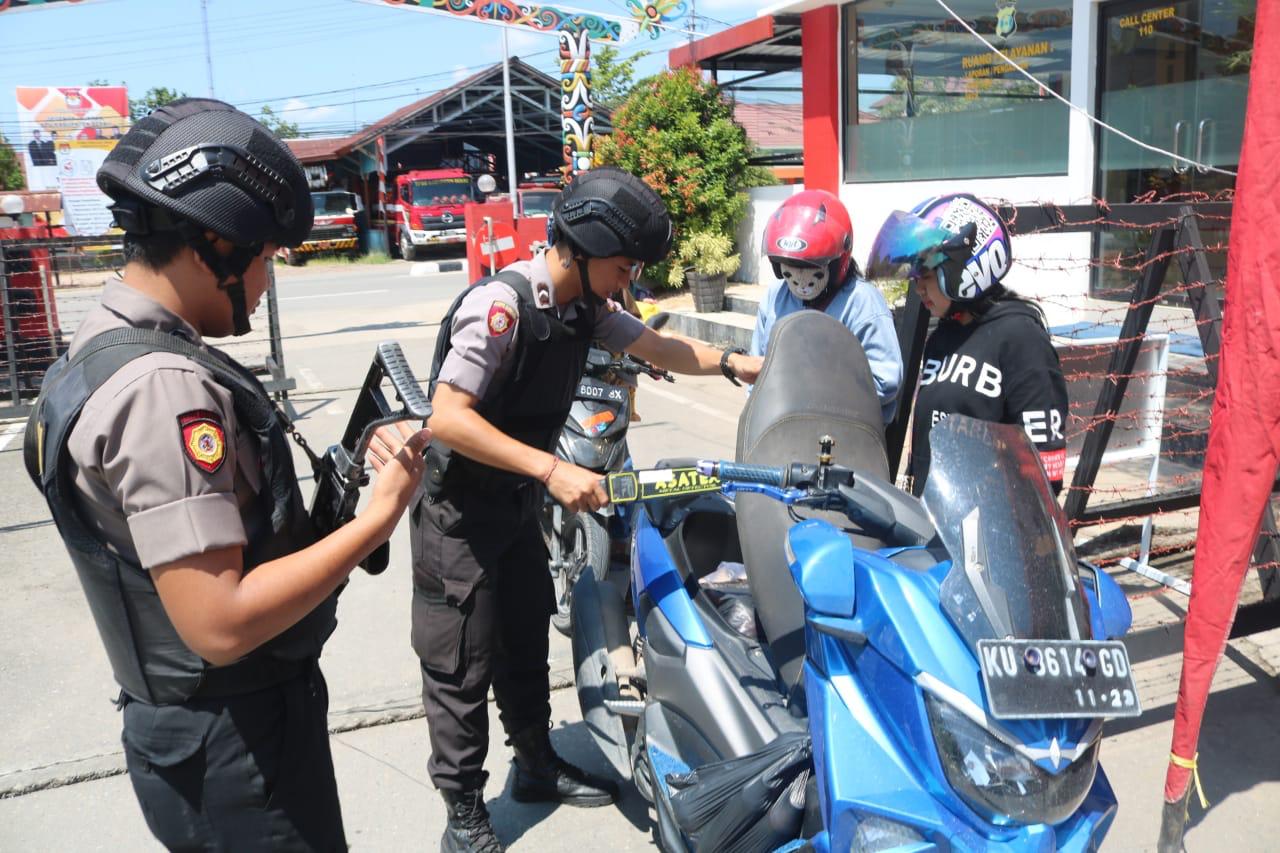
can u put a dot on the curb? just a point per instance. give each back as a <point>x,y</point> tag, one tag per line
<point>434,267</point>
<point>708,330</point>
<point>741,304</point>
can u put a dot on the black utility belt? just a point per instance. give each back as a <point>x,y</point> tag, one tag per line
<point>249,676</point>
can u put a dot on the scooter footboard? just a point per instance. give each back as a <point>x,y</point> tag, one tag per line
<point>599,639</point>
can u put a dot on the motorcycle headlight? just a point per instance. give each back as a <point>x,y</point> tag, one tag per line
<point>999,783</point>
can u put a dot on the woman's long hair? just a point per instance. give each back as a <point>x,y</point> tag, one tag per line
<point>999,293</point>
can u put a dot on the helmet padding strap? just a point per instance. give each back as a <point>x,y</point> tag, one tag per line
<point>229,271</point>
<point>588,295</point>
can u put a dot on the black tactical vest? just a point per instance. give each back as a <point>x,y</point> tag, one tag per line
<point>148,658</point>
<point>533,401</point>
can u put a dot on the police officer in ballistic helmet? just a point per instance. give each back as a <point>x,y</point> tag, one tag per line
<point>510,353</point>
<point>169,474</point>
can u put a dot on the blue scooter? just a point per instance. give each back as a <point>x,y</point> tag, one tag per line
<point>918,675</point>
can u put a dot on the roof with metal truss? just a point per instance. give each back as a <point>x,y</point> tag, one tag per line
<point>471,108</point>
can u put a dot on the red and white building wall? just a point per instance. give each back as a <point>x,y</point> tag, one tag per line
<point>900,103</point>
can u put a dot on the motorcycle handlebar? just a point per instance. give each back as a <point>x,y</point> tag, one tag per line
<point>631,365</point>
<point>731,472</point>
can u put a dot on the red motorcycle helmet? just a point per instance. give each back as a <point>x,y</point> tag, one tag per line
<point>812,228</point>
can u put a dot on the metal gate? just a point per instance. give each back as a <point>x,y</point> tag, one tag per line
<point>48,285</point>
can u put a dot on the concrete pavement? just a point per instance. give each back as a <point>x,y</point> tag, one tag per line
<point>61,732</point>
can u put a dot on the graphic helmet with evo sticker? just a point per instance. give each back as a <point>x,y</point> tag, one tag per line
<point>961,239</point>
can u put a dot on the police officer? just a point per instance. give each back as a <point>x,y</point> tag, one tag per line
<point>169,475</point>
<point>510,353</point>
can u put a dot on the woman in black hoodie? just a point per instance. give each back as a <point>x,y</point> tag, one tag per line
<point>990,356</point>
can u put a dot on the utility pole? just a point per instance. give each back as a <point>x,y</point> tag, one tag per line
<point>511,136</point>
<point>208,55</point>
<point>693,19</point>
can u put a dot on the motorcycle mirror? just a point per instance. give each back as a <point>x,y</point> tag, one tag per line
<point>1109,611</point>
<point>658,321</point>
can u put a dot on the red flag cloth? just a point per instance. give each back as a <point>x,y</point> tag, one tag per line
<point>1244,434</point>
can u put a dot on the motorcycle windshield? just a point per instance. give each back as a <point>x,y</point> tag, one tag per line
<point>1013,571</point>
<point>905,240</point>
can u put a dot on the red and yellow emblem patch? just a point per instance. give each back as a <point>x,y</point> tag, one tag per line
<point>203,439</point>
<point>501,318</point>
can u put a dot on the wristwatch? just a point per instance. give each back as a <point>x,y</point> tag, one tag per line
<point>724,364</point>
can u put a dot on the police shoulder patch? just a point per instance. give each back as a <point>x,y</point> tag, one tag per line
<point>203,439</point>
<point>502,317</point>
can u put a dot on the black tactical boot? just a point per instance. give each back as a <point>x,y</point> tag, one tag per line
<point>543,776</point>
<point>469,830</point>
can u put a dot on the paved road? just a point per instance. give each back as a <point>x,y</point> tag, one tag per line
<point>54,680</point>
<point>60,730</point>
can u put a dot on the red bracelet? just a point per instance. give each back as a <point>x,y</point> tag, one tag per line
<point>546,480</point>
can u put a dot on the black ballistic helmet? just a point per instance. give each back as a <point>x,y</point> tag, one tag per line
<point>607,212</point>
<point>199,165</point>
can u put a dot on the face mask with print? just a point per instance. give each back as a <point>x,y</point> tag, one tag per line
<point>805,282</point>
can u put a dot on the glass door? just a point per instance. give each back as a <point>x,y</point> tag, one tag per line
<point>1174,75</point>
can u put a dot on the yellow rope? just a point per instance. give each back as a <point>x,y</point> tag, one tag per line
<point>1190,764</point>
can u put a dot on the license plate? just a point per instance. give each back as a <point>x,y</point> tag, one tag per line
<point>1029,679</point>
<point>589,389</point>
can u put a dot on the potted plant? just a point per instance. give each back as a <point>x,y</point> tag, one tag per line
<point>704,259</point>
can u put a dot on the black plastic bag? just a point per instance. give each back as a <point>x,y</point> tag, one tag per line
<point>746,804</point>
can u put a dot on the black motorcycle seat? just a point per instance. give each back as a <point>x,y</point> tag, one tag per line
<point>816,381</point>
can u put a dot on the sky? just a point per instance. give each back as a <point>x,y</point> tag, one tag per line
<point>329,66</point>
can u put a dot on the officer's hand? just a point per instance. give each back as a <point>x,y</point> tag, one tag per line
<point>396,454</point>
<point>576,489</point>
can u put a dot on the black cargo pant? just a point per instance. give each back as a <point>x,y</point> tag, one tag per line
<point>247,772</point>
<point>482,604</point>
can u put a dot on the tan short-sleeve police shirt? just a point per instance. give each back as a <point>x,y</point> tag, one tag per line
<point>484,329</point>
<point>159,464</point>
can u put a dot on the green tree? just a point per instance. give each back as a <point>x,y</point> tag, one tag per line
<point>155,97</point>
<point>278,126</point>
<point>612,78</point>
<point>678,134</point>
<point>10,168</point>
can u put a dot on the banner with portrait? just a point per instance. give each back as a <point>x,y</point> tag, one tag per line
<point>65,132</point>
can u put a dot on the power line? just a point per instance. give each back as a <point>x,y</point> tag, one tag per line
<point>252,23</point>
<point>626,50</point>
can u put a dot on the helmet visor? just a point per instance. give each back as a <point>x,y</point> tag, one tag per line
<point>905,244</point>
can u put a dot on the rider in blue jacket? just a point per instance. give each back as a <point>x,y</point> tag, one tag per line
<point>809,241</point>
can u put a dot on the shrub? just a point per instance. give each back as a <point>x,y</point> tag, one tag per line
<point>705,252</point>
<point>677,132</point>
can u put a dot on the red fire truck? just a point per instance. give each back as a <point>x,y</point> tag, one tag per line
<point>426,208</point>
<point>339,223</point>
